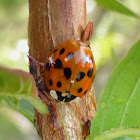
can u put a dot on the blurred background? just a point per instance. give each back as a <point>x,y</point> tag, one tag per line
<point>114,34</point>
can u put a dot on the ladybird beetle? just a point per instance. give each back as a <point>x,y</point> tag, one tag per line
<point>69,71</point>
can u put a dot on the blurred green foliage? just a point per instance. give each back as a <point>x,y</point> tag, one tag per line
<point>113,36</point>
<point>116,5</point>
<point>10,5</point>
<point>8,130</point>
<point>13,27</point>
<point>13,33</point>
<point>20,84</point>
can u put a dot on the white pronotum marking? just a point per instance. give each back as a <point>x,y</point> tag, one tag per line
<point>54,94</point>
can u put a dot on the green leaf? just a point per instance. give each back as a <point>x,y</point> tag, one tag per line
<point>9,101</point>
<point>117,6</point>
<point>87,137</point>
<point>124,138</point>
<point>21,105</point>
<point>118,112</point>
<point>26,109</point>
<point>134,136</point>
<point>20,84</point>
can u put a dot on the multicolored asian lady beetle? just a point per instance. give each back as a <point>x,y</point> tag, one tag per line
<point>70,71</point>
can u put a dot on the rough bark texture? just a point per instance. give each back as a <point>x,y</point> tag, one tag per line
<point>52,22</point>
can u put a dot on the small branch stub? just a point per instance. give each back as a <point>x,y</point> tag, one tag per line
<point>87,33</point>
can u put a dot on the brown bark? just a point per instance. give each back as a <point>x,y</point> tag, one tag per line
<point>52,22</point>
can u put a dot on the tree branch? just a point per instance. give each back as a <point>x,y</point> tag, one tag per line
<point>52,22</point>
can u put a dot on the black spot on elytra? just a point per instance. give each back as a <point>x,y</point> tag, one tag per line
<point>59,84</point>
<point>79,90</point>
<point>91,60</point>
<point>80,76</point>
<point>58,64</point>
<point>89,73</point>
<point>48,66</point>
<point>55,50</point>
<point>85,92</point>
<point>67,72</point>
<point>50,82</point>
<point>70,56</point>
<point>62,51</point>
